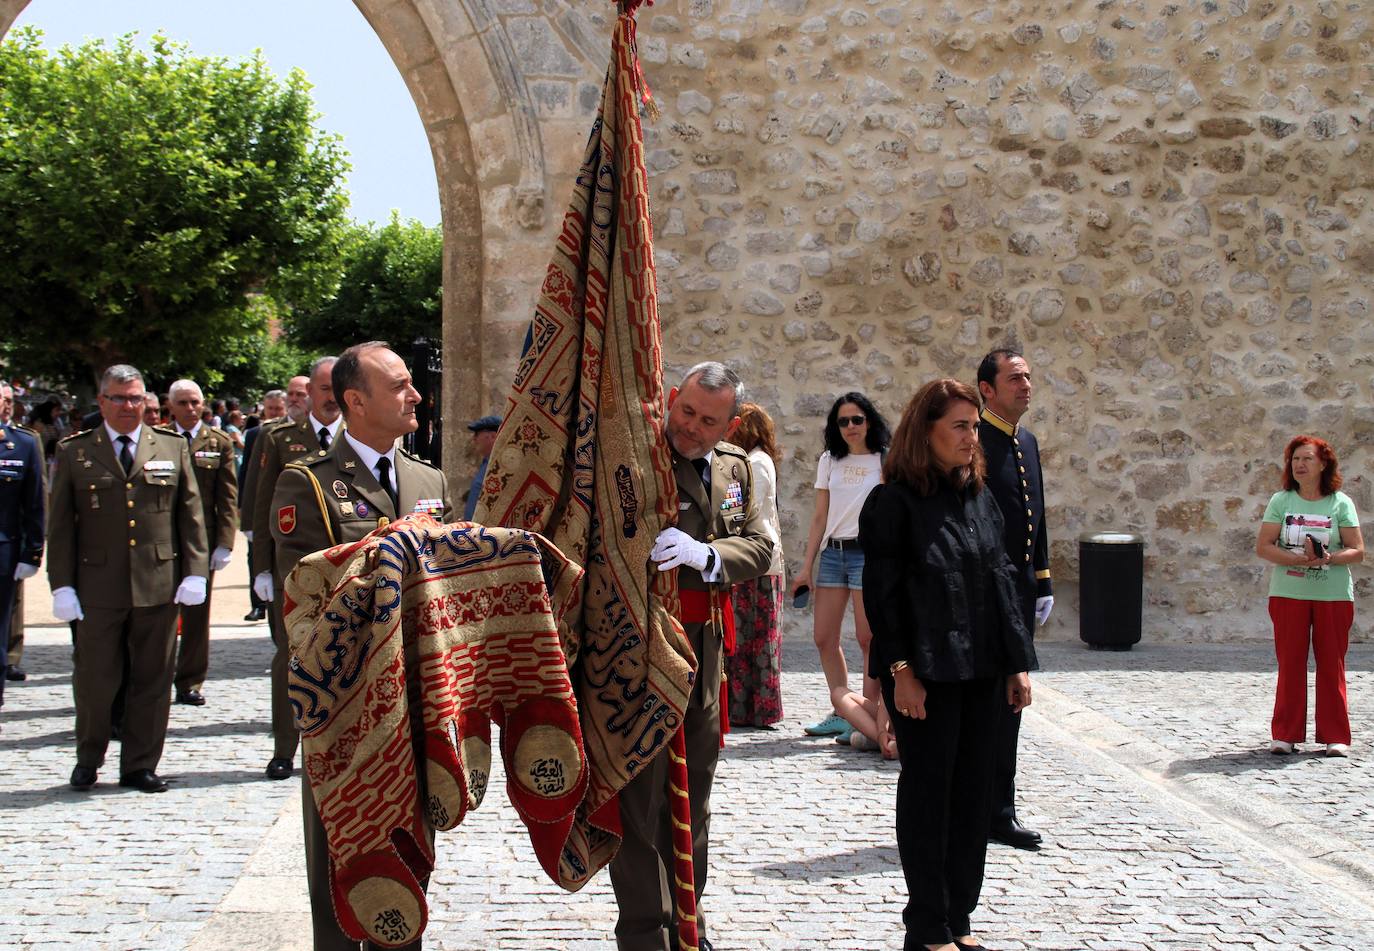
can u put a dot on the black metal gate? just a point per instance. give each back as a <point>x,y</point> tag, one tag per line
<point>427,369</point>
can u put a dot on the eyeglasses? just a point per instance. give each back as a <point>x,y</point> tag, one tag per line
<point>120,399</point>
<point>851,421</point>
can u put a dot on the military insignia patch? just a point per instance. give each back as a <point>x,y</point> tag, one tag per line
<point>340,490</point>
<point>286,519</point>
<point>362,509</point>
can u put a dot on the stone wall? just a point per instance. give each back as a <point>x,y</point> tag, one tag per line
<point>1165,205</point>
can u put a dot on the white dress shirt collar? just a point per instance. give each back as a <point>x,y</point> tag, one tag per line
<point>369,456</point>
<point>133,437</point>
<point>194,431</point>
<point>316,425</point>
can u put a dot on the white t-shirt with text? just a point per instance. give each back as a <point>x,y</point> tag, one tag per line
<point>849,480</point>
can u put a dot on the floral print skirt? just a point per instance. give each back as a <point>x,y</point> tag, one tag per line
<point>755,669</point>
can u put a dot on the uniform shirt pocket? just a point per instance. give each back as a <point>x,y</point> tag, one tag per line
<point>166,551</point>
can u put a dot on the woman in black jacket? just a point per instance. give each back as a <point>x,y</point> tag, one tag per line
<point>949,645</point>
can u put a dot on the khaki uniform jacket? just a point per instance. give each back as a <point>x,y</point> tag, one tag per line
<point>283,445</point>
<point>331,499</point>
<point>212,458</point>
<point>730,519</point>
<point>125,541</point>
<point>252,465</point>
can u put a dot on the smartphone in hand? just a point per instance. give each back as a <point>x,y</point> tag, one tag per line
<point>1318,549</point>
<point>802,598</point>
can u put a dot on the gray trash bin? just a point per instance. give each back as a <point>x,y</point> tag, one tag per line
<point>1111,572</point>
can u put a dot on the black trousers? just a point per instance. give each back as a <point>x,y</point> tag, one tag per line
<point>943,804</point>
<point>1008,741</point>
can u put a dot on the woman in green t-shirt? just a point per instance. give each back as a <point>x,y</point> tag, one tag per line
<point>1311,534</point>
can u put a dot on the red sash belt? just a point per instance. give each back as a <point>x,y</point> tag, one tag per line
<point>710,607</point>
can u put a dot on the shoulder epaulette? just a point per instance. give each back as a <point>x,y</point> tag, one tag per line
<point>74,436</point>
<point>166,430</point>
<point>420,459</point>
<point>730,449</point>
<point>24,429</point>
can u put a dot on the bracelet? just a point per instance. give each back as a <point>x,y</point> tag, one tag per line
<point>898,666</point>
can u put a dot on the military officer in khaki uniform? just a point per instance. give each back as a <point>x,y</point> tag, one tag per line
<point>126,547</point>
<point>278,408</point>
<point>362,482</point>
<point>212,459</point>
<point>312,436</point>
<point>720,539</point>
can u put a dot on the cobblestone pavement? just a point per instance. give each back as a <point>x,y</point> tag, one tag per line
<point>1168,826</point>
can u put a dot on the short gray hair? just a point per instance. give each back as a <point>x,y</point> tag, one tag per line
<point>319,363</point>
<point>120,373</point>
<point>274,395</point>
<point>180,385</point>
<point>714,377</point>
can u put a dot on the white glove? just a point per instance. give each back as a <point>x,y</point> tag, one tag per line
<point>219,558</point>
<point>66,606</point>
<point>249,536</point>
<point>191,591</point>
<point>262,586</point>
<point>1043,607</point>
<point>674,547</point>
<point>24,570</point>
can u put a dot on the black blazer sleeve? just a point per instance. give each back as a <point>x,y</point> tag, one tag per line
<point>885,536</point>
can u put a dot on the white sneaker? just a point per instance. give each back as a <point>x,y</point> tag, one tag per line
<point>860,742</point>
<point>1282,747</point>
<point>1337,749</point>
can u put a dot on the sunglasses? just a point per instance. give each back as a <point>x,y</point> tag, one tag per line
<point>851,421</point>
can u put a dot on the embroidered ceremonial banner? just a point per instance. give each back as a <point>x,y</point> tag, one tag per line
<point>581,457</point>
<point>411,642</point>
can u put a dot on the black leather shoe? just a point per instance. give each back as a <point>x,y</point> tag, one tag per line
<point>257,614</point>
<point>191,698</point>
<point>705,945</point>
<point>83,777</point>
<point>279,768</point>
<point>144,780</point>
<point>1014,834</point>
<point>14,672</point>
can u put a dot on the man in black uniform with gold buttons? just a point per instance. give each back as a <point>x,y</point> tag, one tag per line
<point>1013,460</point>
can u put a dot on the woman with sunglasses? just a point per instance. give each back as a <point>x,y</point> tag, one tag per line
<point>856,436</point>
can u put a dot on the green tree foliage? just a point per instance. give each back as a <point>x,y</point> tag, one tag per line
<point>146,195</point>
<point>391,289</point>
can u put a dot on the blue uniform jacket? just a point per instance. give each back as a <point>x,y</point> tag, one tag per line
<point>1013,459</point>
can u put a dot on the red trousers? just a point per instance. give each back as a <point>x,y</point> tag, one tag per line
<point>1325,625</point>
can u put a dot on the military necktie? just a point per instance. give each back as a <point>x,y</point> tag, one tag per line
<point>384,479</point>
<point>126,454</point>
<point>187,434</point>
<point>700,466</point>
<point>324,437</point>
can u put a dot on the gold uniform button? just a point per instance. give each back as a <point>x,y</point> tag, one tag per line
<point>132,523</point>
<point>130,485</point>
<point>1027,556</point>
<point>710,538</point>
<point>1027,497</point>
<point>133,542</point>
<point>131,503</point>
<point>1028,542</point>
<point>1019,455</point>
<point>1030,514</point>
<point>1023,472</point>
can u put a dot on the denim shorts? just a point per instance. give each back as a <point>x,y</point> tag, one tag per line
<point>841,569</point>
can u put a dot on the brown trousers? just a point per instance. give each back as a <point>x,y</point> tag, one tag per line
<point>193,651</point>
<point>285,737</point>
<point>642,871</point>
<point>106,640</point>
<point>328,936</point>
